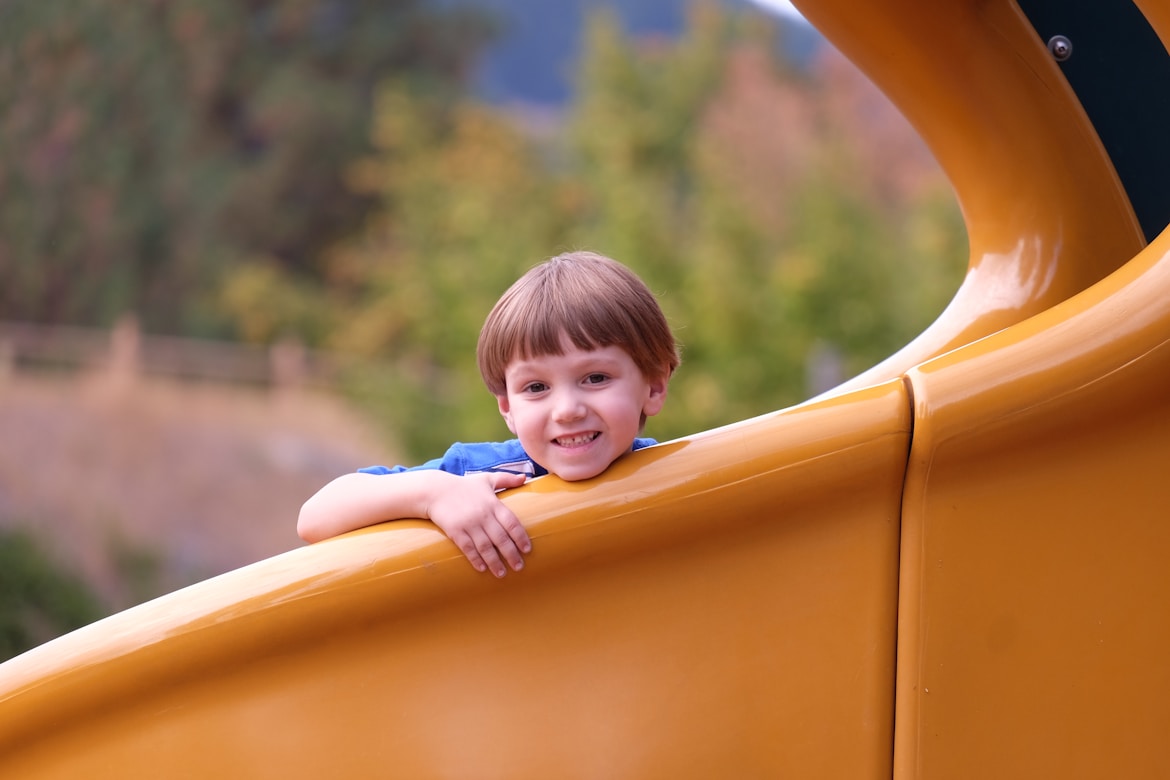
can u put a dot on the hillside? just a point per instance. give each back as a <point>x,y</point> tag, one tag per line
<point>148,485</point>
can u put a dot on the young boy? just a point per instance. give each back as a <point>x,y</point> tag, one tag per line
<point>578,354</point>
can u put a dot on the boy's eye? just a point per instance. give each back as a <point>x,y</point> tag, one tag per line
<point>595,379</point>
<point>535,387</point>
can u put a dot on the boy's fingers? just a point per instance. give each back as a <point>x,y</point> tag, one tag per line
<point>507,545</point>
<point>515,531</point>
<point>487,551</point>
<point>501,480</point>
<point>497,538</point>
<point>467,546</point>
<point>506,479</point>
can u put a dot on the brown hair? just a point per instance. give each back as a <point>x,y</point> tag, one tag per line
<point>594,301</point>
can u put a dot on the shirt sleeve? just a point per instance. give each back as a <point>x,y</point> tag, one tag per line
<point>453,462</point>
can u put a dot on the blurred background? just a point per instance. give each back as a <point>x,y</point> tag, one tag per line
<point>247,245</point>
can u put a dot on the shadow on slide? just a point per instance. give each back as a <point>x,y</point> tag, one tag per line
<point>953,566</point>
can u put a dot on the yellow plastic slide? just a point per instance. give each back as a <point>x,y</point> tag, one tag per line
<point>954,566</point>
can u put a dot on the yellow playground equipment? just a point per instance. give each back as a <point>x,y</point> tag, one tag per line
<point>953,566</point>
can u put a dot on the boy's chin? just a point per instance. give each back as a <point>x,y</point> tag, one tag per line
<point>575,473</point>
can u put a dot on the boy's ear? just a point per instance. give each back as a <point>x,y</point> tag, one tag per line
<point>506,411</point>
<point>656,399</point>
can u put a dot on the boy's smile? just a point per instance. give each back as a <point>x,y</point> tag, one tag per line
<point>577,412</point>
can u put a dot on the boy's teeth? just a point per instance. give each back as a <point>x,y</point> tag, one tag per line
<point>572,441</point>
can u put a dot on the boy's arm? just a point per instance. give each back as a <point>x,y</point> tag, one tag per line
<point>464,507</point>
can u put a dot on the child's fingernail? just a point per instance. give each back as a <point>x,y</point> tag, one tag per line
<point>518,566</point>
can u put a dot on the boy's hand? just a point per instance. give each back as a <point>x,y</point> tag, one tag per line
<point>481,526</point>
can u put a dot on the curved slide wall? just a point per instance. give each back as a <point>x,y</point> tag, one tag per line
<point>1033,620</point>
<point>952,567</point>
<point>721,604</point>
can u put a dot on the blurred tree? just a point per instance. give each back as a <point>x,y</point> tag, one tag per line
<point>632,129</point>
<point>146,147</point>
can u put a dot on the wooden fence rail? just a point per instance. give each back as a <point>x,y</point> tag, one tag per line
<point>125,350</point>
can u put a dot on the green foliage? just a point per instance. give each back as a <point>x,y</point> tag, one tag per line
<point>633,130</point>
<point>266,304</point>
<point>39,600</point>
<point>147,147</point>
<point>139,570</point>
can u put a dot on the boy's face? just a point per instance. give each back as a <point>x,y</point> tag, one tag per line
<point>578,412</point>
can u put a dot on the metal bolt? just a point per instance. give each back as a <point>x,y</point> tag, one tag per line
<point>1060,47</point>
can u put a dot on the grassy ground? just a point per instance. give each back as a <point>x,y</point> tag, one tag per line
<point>142,486</point>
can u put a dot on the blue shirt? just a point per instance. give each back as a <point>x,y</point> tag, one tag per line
<point>474,458</point>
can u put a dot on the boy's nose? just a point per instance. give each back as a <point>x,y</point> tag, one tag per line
<point>568,407</point>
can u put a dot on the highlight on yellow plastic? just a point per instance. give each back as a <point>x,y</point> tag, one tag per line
<point>953,566</point>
